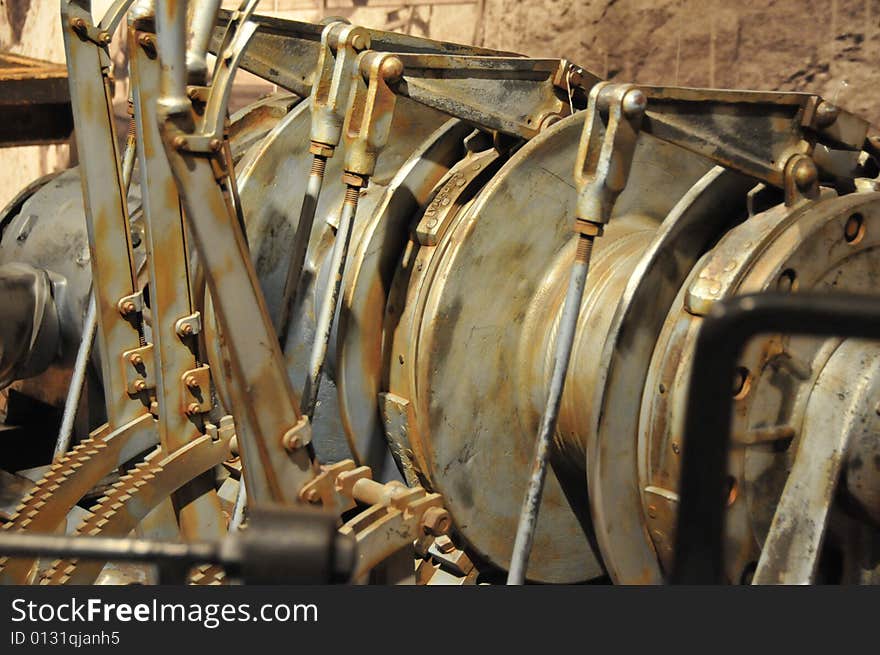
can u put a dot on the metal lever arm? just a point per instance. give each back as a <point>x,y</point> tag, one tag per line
<point>273,436</point>
<point>512,95</point>
<point>297,44</point>
<point>722,125</point>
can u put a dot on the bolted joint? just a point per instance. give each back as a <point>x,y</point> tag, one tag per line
<point>355,180</point>
<point>188,325</point>
<point>148,43</point>
<point>79,26</point>
<point>299,436</point>
<point>321,150</point>
<point>436,521</point>
<point>634,103</point>
<point>129,305</point>
<point>391,70</point>
<point>588,228</point>
<point>826,115</point>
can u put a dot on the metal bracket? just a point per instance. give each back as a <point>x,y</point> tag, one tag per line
<point>209,137</point>
<point>398,515</point>
<point>792,124</point>
<point>370,111</point>
<point>299,436</point>
<point>463,181</point>
<point>140,369</point>
<point>131,304</point>
<point>81,23</point>
<point>297,45</point>
<point>332,487</point>
<point>335,73</point>
<point>800,180</point>
<point>188,326</point>
<point>196,390</point>
<point>611,130</point>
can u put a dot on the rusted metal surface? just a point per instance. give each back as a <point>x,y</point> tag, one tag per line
<point>69,479</point>
<point>114,276</point>
<point>171,299</point>
<point>272,186</point>
<point>34,102</point>
<point>840,403</point>
<point>433,313</point>
<point>795,249</point>
<point>261,395</point>
<point>138,492</point>
<point>298,44</point>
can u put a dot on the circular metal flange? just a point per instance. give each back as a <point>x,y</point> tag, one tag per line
<point>475,302</point>
<point>813,246</point>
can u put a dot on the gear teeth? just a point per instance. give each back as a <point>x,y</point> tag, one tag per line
<point>56,474</point>
<point>103,512</point>
<point>208,575</point>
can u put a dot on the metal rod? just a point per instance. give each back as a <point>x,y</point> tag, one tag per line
<point>171,40</point>
<point>330,301</point>
<point>129,157</point>
<point>19,543</point>
<point>74,391</point>
<point>80,365</point>
<point>203,20</point>
<point>301,244</point>
<point>237,517</point>
<point>699,554</point>
<point>528,519</point>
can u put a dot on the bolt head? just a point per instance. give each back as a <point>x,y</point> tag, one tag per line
<point>191,382</point>
<point>359,42</point>
<point>192,408</point>
<point>805,174</point>
<point>186,329</point>
<point>179,142</point>
<point>391,69</point>
<point>128,307</point>
<point>292,441</point>
<point>313,496</point>
<point>215,144</point>
<point>826,114</point>
<point>436,521</point>
<point>139,385</point>
<point>634,103</point>
<point>136,359</point>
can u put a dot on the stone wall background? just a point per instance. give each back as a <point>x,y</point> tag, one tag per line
<point>831,47</point>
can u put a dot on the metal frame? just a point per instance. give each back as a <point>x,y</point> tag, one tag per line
<point>699,552</point>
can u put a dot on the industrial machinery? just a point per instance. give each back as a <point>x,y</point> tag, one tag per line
<point>458,299</point>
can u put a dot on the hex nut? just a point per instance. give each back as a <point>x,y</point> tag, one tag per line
<point>436,521</point>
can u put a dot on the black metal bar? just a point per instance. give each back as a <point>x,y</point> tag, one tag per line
<point>725,331</point>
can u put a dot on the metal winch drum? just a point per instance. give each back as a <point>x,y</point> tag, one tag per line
<point>440,356</point>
